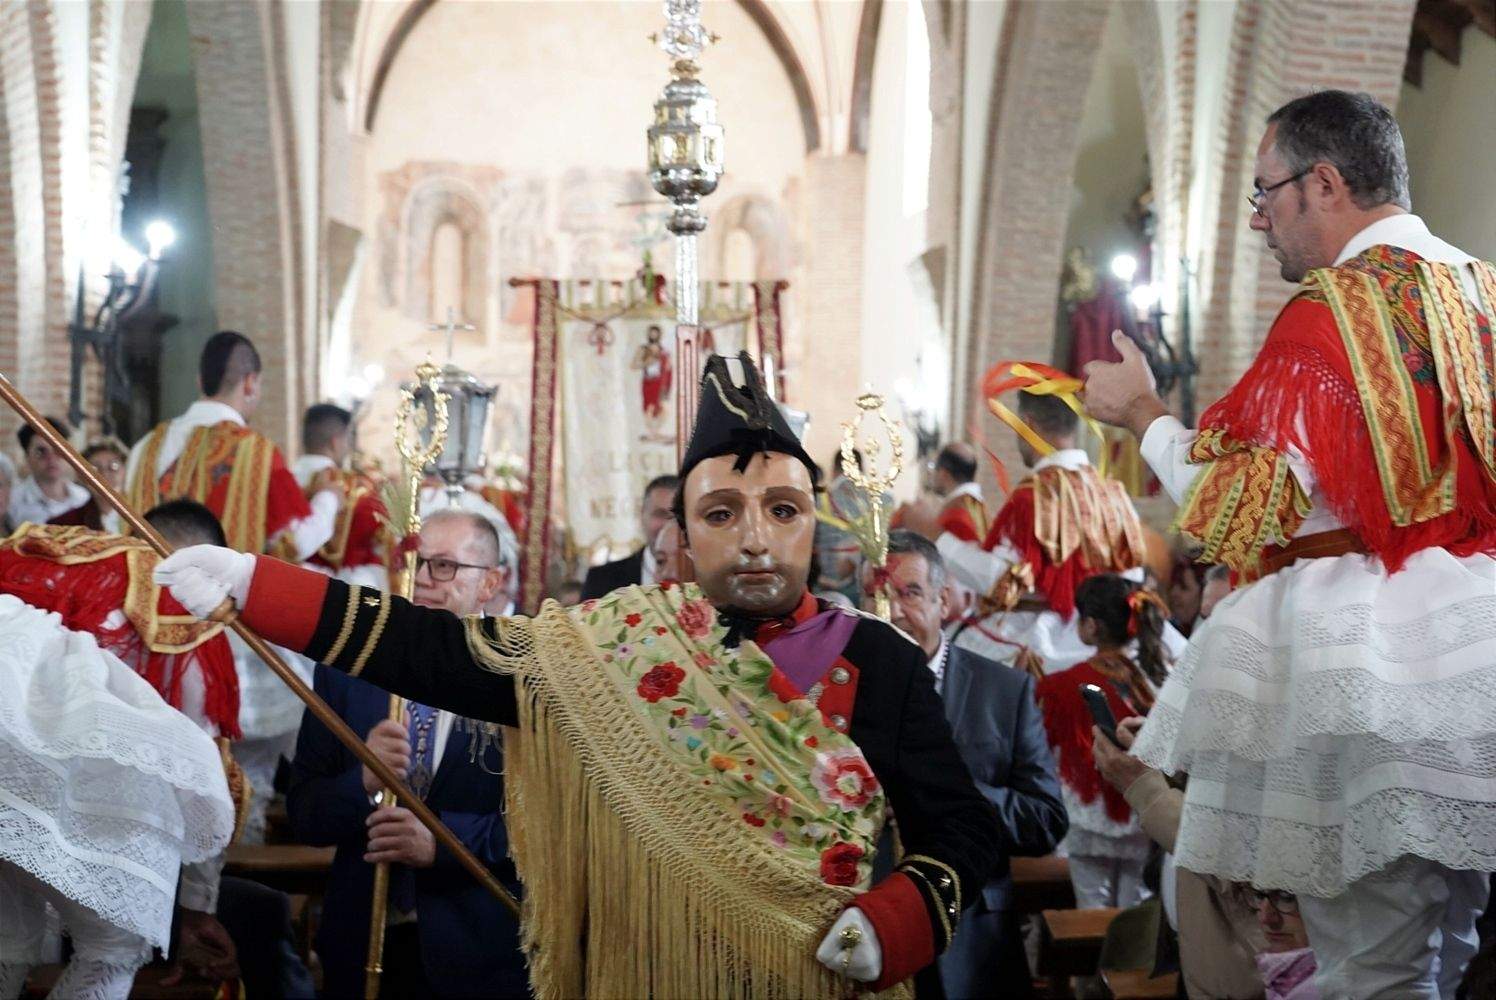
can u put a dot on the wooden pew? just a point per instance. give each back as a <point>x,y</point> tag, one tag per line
<point>1041,884</point>
<point>295,869</point>
<point>1070,941</point>
<point>1135,984</point>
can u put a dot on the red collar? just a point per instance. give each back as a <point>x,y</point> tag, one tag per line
<point>807,609</point>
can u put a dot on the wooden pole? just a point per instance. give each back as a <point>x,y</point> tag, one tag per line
<point>319,708</point>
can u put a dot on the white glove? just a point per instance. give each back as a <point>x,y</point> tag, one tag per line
<point>866,964</point>
<point>201,576</point>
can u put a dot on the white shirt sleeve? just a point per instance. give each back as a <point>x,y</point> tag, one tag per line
<point>200,884</point>
<point>974,567</point>
<point>312,532</point>
<point>1166,448</point>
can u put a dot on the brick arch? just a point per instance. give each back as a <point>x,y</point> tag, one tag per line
<point>431,205</point>
<point>1031,144</point>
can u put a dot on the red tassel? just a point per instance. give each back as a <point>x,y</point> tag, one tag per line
<point>1299,394</point>
<point>1068,722</point>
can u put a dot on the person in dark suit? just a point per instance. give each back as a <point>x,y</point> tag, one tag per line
<point>654,514</point>
<point>999,733</point>
<point>446,936</point>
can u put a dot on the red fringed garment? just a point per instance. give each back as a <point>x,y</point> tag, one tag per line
<point>101,584</point>
<point>1068,722</point>
<point>1380,373</point>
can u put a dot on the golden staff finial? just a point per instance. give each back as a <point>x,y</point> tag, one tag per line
<point>871,528</point>
<point>412,422</point>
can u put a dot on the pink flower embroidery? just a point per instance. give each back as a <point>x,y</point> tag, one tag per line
<point>781,804</point>
<point>844,779</point>
<point>696,618</point>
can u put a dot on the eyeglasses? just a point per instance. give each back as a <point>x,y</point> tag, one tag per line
<point>113,465</point>
<point>1255,198</point>
<point>1285,903</point>
<point>444,570</point>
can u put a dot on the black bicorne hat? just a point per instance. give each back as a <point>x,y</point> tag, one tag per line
<point>739,420</point>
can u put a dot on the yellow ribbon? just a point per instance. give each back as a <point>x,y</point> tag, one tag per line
<point>1064,388</point>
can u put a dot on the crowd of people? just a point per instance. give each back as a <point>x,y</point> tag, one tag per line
<point>711,768</point>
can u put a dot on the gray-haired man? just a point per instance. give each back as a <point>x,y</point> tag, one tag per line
<point>1000,735</point>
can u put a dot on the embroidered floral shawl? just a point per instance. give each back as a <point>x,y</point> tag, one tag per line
<point>680,829</point>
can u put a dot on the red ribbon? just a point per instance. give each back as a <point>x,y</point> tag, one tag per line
<point>1135,602</point>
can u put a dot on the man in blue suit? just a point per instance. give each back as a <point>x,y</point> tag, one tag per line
<point>1000,735</point>
<point>445,935</point>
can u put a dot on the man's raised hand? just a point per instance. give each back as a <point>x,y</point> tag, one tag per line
<point>1122,393</point>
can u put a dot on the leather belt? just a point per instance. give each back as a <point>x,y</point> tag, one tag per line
<point>1320,545</point>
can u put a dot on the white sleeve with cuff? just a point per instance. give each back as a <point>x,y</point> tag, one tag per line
<point>312,532</point>
<point>974,567</point>
<point>200,884</point>
<point>1166,448</point>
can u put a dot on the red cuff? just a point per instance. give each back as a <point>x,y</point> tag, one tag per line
<point>284,603</point>
<point>896,909</point>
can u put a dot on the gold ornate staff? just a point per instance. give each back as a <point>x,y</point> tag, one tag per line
<point>870,527</point>
<point>405,514</point>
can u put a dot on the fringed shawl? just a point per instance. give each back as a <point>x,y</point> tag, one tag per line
<point>680,831</point>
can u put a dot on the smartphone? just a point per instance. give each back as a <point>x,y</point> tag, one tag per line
<point>1101,712</point>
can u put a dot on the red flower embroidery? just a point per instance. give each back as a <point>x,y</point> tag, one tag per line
<point>662,681</point>
<point>839,864</point>
<point>632,620</point>
<point>666,584</point>
<point>753,820</point>
<point>678,711</point>
<point>812,742</point>
<point>661,630</point>
<point>844,779</point>
<point>696,618</point>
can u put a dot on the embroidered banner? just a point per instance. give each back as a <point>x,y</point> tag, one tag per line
<point>605,390</point>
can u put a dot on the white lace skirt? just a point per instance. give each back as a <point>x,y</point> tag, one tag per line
<point>105,791</point>
<point>1333,718</point>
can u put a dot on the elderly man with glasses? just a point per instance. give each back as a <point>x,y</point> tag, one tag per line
<point>446,935</point>
<point>1336,712</point>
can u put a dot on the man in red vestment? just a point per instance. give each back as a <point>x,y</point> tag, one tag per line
<point>209,455</point>
<point>1335,713</point>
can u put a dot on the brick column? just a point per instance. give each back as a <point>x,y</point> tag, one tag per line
<point>1031,147</point>
<point>253,250</point>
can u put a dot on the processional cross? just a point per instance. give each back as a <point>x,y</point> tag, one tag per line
<point>450,327</point>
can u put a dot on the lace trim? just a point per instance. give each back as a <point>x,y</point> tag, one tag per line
<point>1262,700</point>
<point>117,895</point>
<point>1302,857</point>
